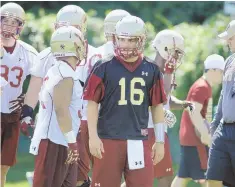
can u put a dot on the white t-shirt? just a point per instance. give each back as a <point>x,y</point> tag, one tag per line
<point>47,126</point>
<point>14,69</point>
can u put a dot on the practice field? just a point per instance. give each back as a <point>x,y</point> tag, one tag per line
<point>16,176</point>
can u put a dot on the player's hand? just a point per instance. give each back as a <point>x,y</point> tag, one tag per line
<point>26,124</point>
<point>17,104</point>
<point>189,105</point>
<point>96,147</point>
<point>158,152</point>
<point>73,154</point>
<point>26,120</point>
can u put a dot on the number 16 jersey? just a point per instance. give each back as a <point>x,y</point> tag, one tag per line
<point>125,92</point>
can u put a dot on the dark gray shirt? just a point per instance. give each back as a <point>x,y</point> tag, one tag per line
<point>226,106</point>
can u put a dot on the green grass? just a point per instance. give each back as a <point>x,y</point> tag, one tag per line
<point>16,176</point>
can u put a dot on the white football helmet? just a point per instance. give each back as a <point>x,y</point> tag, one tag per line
<point>68,41</point>
<point>12,11</point>
<point>111,20</point>
<point>72,15</point>
<point>130,27</point>
<point>170,45</point>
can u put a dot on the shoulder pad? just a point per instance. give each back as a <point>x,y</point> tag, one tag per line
<point>148,60</point>
<point>44,53</point>
<point>107,58</point>
<point>66,70</point>
<point>28,47</point>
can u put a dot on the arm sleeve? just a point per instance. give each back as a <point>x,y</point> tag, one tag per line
<point>218,115</point>
<point>94,87</point>
<point>157,92</point>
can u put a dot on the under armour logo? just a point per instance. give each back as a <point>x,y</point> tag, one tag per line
<point>34,148</point>
<point>145,73</point>
<point>97,184</point>
<point>138,163</point>
<point>62,46</point>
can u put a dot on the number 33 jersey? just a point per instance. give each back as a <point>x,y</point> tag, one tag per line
<point>125,92</point>
<point>14,69</point>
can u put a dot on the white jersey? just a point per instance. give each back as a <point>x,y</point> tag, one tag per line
<point>102,52</point>
<point>47,60</point>
<point>166,106</point>
<point>14,69</point>
<point>47,126</point>
<point>3,82</point>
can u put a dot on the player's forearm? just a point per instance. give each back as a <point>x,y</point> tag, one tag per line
<point>31,97</point>
<point>176,104</point>
<point>157,113</point>
<point>198,121</point>
<point>92,118</point>
<point>64,119</point>
<point>158,120</point>
<point>167,83</point>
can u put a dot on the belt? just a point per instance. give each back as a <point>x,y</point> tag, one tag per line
<point>230,123</point>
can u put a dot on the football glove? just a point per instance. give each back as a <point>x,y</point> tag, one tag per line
<point>169,118</point>
<point>17,104</point>
<point>26,120</point>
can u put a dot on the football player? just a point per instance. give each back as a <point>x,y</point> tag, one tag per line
<point>221,163</point>
<point>194,128</point>
<point>18,60</point>
<point>68,15</point>
<point>54,140</point>
<point>169,46</point>
<point>125,85</point>
<point>102,52</point>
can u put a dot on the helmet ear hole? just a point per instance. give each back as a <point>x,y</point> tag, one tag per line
<point>166,49</point>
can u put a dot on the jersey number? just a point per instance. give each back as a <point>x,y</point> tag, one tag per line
<point>18,71</point>
<point>134,91</point>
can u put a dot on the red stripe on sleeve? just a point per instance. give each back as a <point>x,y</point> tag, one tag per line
<point>157,93</point>
<point>94,90</point>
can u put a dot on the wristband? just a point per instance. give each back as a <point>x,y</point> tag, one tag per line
<point>70,137</point>
<point>159,131</point>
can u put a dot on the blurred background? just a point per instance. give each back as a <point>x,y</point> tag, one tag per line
<point>198,22</point>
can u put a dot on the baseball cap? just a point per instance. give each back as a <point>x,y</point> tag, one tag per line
<point>214,62</point>
<point>229,32</point>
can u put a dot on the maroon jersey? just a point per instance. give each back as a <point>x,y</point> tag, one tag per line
<point>200,92</point>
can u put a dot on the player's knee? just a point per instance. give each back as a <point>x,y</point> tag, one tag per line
<point>212,183</point>
<point>4,169</point>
